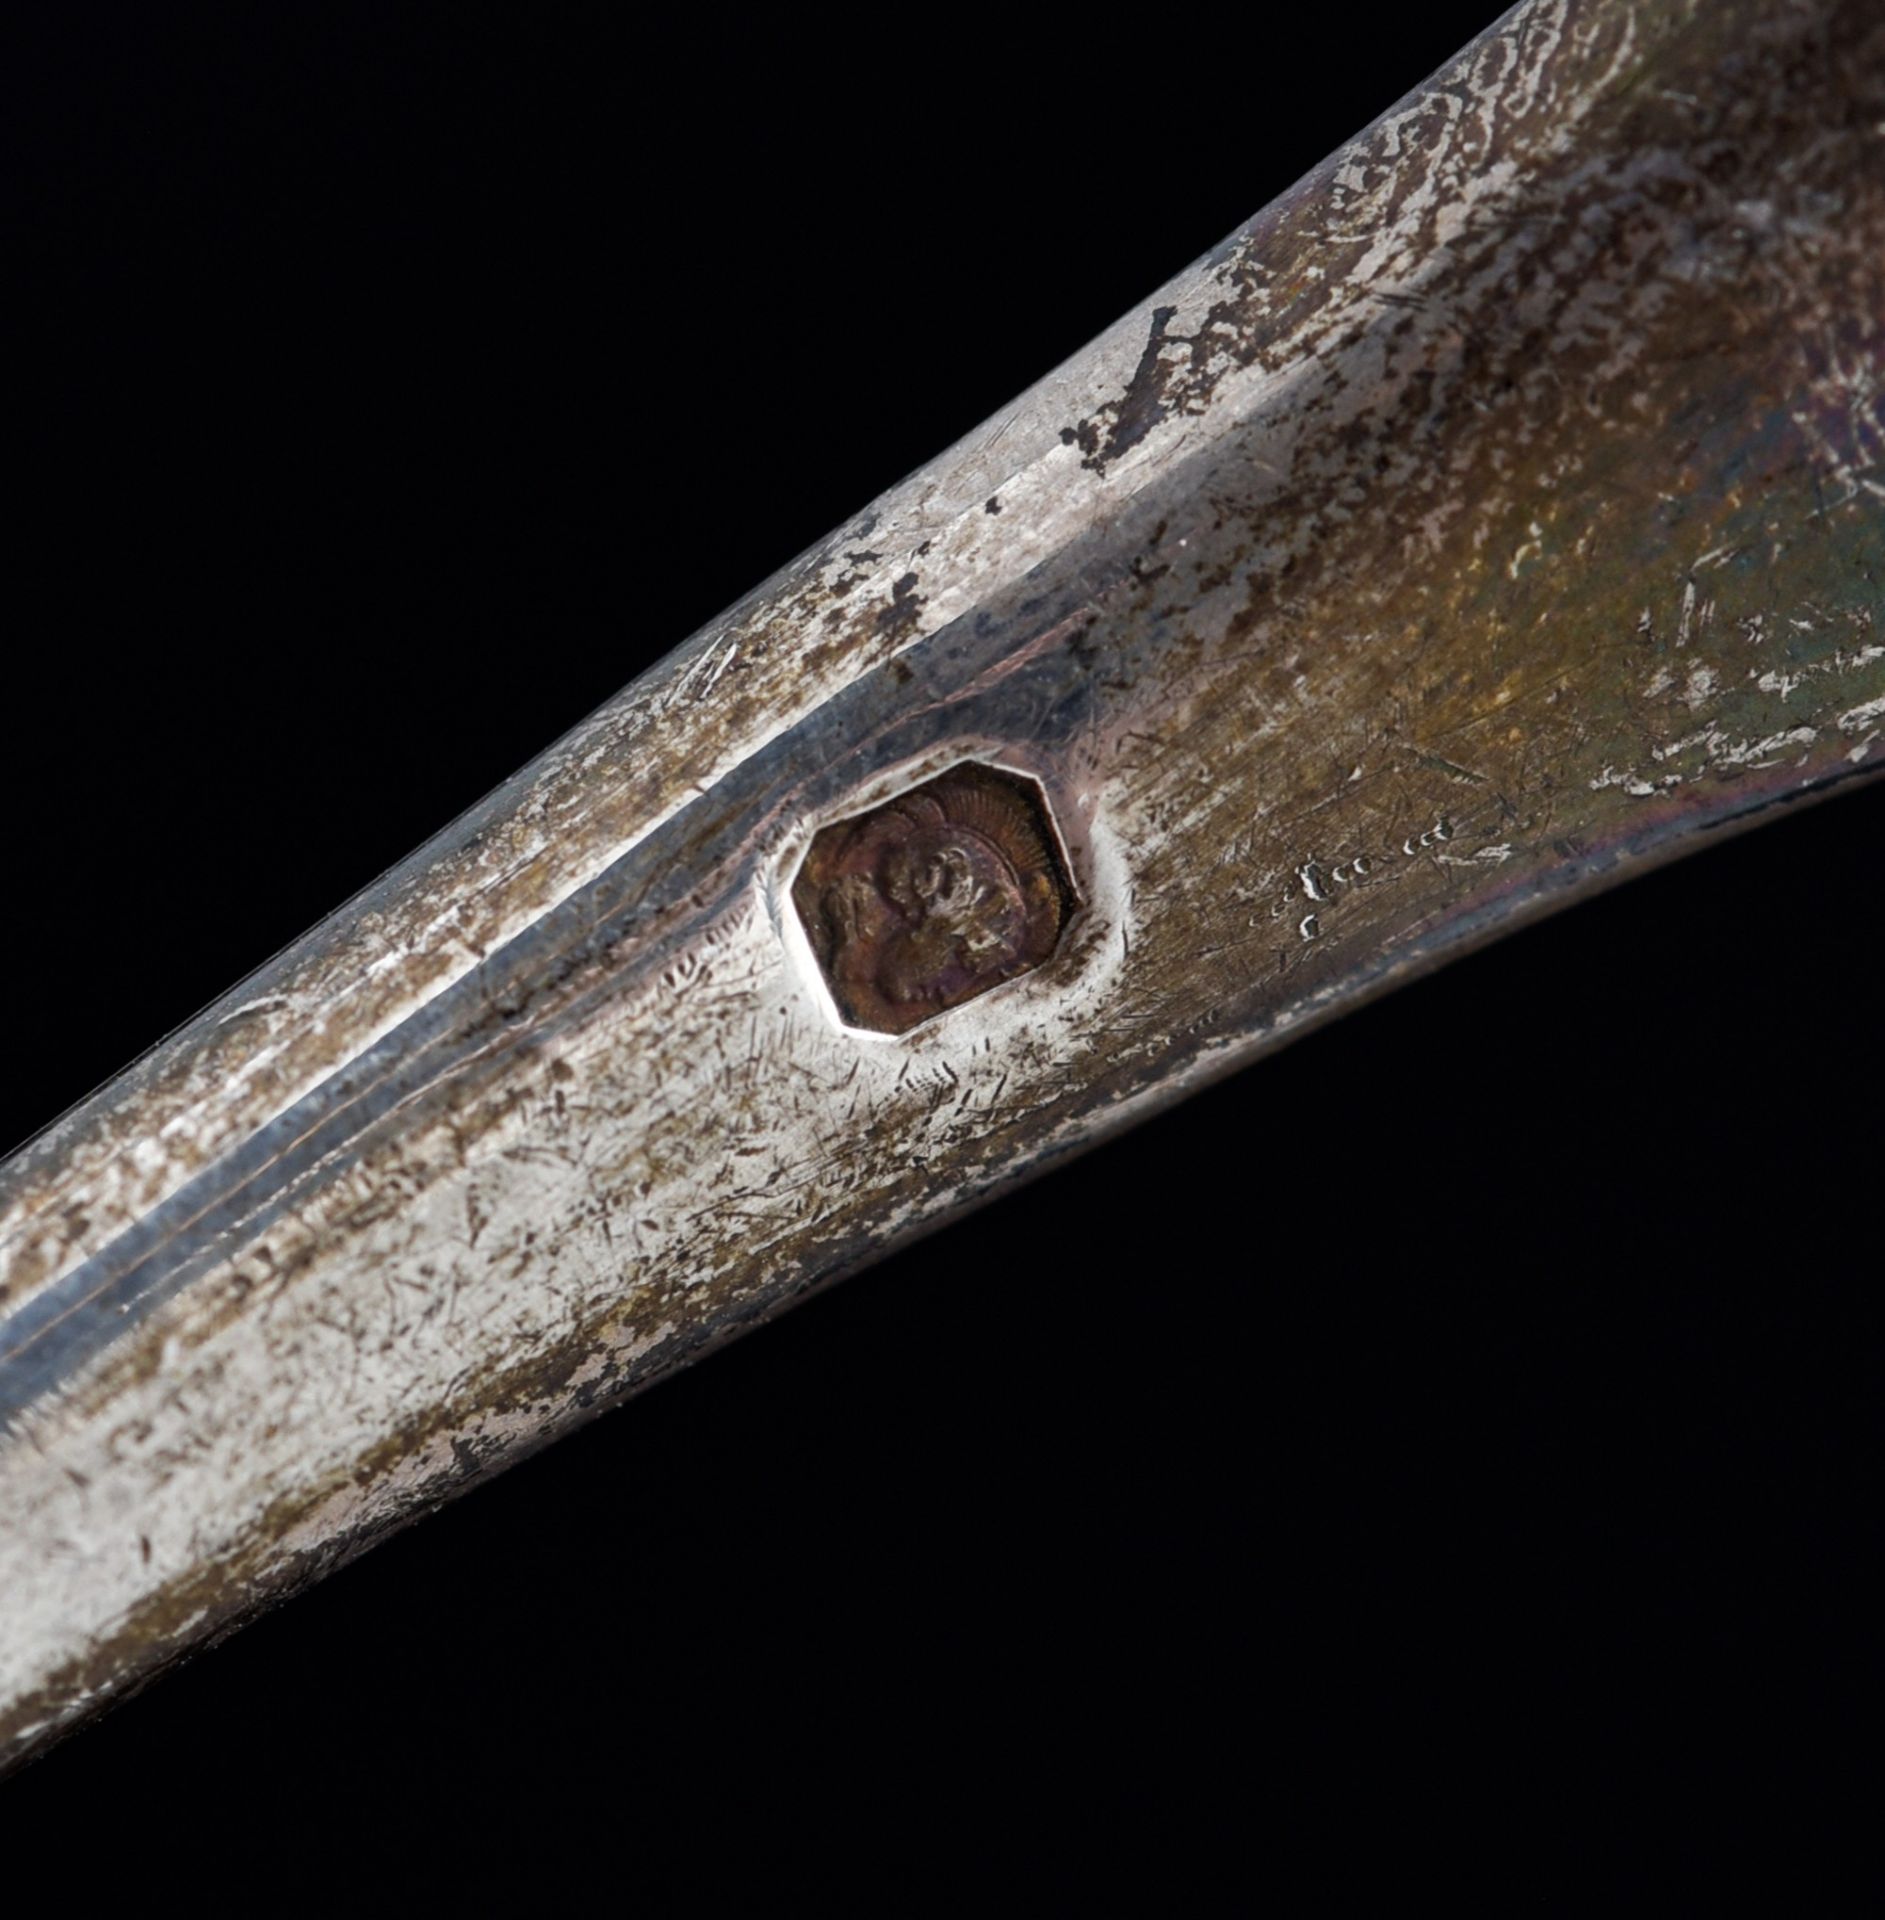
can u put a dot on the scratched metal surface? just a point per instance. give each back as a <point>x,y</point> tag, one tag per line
<point>1498,512</point>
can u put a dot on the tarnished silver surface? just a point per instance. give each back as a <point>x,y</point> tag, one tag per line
<point>1496,512</point>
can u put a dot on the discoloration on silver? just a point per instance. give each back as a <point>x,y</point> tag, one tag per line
<point>1498,512</point>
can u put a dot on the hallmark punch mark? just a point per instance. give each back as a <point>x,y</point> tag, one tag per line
<point>934,897</point>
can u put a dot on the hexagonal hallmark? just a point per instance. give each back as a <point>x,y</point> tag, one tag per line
<point>934,897</point>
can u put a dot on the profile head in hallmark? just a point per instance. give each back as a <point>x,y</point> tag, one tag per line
<point>933,897</point>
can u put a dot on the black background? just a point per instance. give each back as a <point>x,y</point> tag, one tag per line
<point>1468,1416</point>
